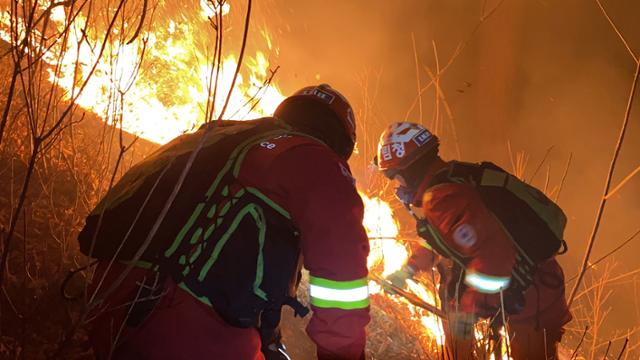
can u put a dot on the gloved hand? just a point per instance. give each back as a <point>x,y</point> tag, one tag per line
<point>399,278</point>
<point>461,324</point>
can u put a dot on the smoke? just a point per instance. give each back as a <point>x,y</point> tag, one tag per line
<point>537,74</point>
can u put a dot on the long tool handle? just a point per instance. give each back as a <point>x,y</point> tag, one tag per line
<point>411,297</point>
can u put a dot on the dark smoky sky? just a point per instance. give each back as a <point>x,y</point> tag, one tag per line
<point>536,73</point>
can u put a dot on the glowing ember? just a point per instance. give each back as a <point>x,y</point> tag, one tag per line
<point>164,94</point>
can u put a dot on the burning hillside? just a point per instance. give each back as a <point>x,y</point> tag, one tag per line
<point>162,80</point>
<point>91,88</point>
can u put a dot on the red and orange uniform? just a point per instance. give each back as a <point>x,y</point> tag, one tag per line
<point>466,226</point>
<point>315,186</point>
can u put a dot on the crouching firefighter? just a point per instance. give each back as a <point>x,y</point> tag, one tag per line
<point>207,279</point>
<point>492,238</point>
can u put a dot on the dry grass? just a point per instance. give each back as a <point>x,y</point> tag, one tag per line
<point>75,170</point>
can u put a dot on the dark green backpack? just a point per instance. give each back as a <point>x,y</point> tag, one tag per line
<point>227,244</point>
<point>535,223</point>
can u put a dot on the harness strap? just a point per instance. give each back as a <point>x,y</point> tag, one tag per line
<point>298,308</point>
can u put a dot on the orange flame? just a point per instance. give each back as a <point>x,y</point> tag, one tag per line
<point>165,94</point>
<point>386,250</point>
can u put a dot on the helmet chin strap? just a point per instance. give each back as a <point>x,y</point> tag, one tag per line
<point>406,195</point>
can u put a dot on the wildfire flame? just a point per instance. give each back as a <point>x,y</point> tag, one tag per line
<point>382,230</point>
<point>390,254</point>
<point>164,93</point>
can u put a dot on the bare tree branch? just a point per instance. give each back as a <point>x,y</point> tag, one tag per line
<point>603,200</point>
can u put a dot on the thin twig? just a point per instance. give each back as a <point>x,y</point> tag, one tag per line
<point>606,353</point>
<point>615,27</point>
<point>564,177</point>
<point>178,185</point>
<point>608,281</point>
<point>593,264</point>
<point>7,106</point>
<point>440,94</point>
<point>240,58</point>
<point>623,182</point>
<point>544,158</point>
<point>603,200</point>
<point>415,58</point>
<point>575,352</point>
<point>624,347</point>
<point>505,324</point>
<point>461,46</point>
<point>140,23</point>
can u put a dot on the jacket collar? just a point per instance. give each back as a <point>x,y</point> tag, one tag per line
<point>431,170</point>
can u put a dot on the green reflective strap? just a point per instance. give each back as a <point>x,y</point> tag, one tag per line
<point>219,177</point>
<point>338,285</point>
<point>450,252</point>
<point>351,305</point>
<point>269,202</point>
<point>249,144</point>
<point>233,159</point>
<point>225,209</point>
<point>202,299</point>
<point>262,231</point>
<point>195,236</point>
<point>346,295</point>
<point>196,253</point>
<point>212,211</point>
<point>223,240</point>
<point>176,243</point>
<point>209,231</point>
<point>285,130</point>
<point>141,264</point>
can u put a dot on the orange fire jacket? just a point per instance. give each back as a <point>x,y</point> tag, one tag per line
<point>465,224</point>
<point>316,187</point>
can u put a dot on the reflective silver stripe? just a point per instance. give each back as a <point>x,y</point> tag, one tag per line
<point>486,283</point>
<point>344,295</point>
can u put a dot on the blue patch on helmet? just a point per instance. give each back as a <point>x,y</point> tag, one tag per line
<point>422,137</point>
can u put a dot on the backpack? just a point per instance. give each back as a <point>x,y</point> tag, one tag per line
<point>228,245</point>
<point>535,223</point>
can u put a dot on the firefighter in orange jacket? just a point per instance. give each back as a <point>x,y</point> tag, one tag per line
<point>299,180</point>
<point>493,256</point>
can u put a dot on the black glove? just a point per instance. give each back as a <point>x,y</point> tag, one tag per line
<point>399,278</point>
